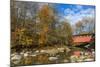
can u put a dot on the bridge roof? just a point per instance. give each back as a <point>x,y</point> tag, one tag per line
<point>82,39</point>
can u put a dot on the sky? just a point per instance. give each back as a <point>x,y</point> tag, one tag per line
<point>74,12</point>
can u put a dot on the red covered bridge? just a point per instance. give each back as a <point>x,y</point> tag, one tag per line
<point>83,38</point>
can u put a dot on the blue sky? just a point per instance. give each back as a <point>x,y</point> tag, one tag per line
<point>71,12</point>
<point>74,12</point>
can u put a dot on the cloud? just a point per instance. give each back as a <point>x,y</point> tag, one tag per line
<point>68,11</point>
<point>77,13</point>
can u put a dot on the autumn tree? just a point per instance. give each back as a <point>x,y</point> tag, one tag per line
<point>13,22</point>
<point>79,27</point>
<point>89,24</point>
<point>46,18</point>
<point>64,32</point>
<point>40,26</point>
<point>85,26</point>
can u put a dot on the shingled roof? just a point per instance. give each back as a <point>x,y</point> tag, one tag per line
<point>82,38</point>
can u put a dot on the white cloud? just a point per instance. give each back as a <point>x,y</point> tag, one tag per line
<point>73,16</point>
<point>68,11</point>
